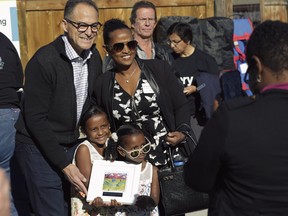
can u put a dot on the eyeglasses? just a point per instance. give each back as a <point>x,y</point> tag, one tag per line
<point>135,153</point>
<point>82,27</point>
<point>144,20</point>
<point>175,43</point>
<point>118,47</point>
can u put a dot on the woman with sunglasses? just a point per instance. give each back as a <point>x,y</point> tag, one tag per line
<point>144,92</point>
<point>132,146</point>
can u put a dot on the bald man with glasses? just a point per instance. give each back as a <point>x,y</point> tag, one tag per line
<point>59,83</point>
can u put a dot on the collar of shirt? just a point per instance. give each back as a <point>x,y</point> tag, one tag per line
<point>141,53</point>
<point>72,54</point>
<point>283,86</point>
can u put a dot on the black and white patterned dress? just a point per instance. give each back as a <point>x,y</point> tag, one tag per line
<point>142,109</point>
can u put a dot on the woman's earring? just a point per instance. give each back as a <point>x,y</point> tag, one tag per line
<point>258,79</point>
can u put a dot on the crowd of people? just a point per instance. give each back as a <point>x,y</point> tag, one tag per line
<point>148,97</point>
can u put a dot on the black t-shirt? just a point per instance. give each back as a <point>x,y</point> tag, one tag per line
<point>11,73</point>
<point>187,67</point>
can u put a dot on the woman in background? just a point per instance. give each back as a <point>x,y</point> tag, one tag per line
<point>197,71</point>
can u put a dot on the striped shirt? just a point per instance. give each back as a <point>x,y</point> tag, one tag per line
<point>80,74</point>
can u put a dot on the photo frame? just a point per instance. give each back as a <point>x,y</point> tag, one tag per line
<point>114,180</point>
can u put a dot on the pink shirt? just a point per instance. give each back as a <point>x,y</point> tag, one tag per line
<point>283,86</point>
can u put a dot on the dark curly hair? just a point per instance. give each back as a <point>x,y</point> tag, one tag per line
<point>92,111</point>
<point>127,130</point>
<point>123,131</point>
<point>269,42</point>
<point>110,26</point>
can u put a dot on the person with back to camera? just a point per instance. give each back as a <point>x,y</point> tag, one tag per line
<point>59,81</point>
<point>11,80</point>
<point>132,146</point>
<point>142,92</point>
<point>195,68</point>
<point>242,155</point>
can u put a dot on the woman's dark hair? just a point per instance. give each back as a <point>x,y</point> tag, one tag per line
<point>141,4</point>
<point>183,30</point>
<point>111,152</point>
<point>269,42</point>
<point>110,26</point>
<point>71,4</point>
<point>92,111</point>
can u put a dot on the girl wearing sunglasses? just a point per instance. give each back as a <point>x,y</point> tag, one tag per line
<point>132,146</point>
<point>143,92</point>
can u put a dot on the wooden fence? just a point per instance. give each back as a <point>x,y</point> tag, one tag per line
<point>274,9</point>
<point>269,9</point>
<point>39,20</point>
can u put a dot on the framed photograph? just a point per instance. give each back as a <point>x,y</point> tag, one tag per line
<point>114,180</point>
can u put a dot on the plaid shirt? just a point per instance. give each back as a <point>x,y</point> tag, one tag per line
<point>80,73</point>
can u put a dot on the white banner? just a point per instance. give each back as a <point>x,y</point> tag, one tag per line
<point>9,21</point>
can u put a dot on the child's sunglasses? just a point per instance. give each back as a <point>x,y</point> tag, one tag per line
<point>135,153</point>
<point>118,47</point>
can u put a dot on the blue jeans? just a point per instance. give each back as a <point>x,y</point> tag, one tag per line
<point>8,117</point>
<point>49,191</point>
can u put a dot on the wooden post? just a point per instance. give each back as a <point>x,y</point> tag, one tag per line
<point>21,5</point>
<point>224,8</point>
<point>210,8</point>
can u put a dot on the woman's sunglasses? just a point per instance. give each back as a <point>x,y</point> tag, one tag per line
<point>118,47</point>
<point>135,153</point>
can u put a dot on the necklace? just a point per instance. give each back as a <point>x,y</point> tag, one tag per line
<point>127,80</point>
